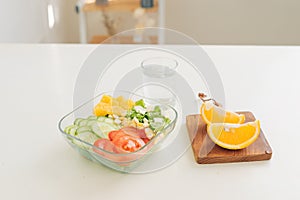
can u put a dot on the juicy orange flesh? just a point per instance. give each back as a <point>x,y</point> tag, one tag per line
<point>234,136</point>
<point>215,115</point>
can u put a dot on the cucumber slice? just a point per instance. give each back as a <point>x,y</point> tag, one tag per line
<point>96,130</point>
<point>92,118</point>
<point>73,131</point>
<point>83,122</point>
<point>83,129</point>
<point>68,128</point>
<point>91,122</point>
<point>88,137</point>
<point>77,121</point>
<point>102,129</point>
<point>109,120</point>
<point>101,119</point>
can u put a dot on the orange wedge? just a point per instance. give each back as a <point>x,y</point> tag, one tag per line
<point>211,113</point>
<point>234,136</point>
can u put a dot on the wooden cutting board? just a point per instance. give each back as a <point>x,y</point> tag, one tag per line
<point>207,152</point>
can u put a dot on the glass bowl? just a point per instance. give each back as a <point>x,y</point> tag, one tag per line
<point>123,162</point>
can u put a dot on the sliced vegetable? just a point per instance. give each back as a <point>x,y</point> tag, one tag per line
<point>140,103</point>
<point>135,132</point>
<point>73,131</point>
<point>128,143</point>
<point>102,129</point>
<point>157,110</point>
<point>76,122</point>
<point>91,122</point>
<point>101,119</point>
<point>88,137</point>
<point>83,129</point>
<point>83,122</point>
<point>90,129</point>
<point>153,119</point>
<point>104,144</point>
<point>68,128</point>
<point>92,118</point>
<point>140,125</point>
<point>115,134</point>
<point>109,120</point>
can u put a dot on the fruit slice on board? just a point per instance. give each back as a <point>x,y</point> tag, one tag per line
<point>234,136</point>
<point>211,113</point>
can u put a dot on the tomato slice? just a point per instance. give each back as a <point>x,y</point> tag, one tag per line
<point>146,140</point>
<point>104,144</point>
<point>115,134</point>
<point>127,139</point>
<point>132,131</point>
<point>128,143</point>
<point>107,145</point>
<point>121,144</point>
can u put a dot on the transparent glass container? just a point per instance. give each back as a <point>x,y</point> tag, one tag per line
<point>123,162</point>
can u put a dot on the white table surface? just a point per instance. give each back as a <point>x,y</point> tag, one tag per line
<point>36,84</point>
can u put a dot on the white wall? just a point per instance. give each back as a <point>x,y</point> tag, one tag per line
<point>66,28</point>
<point>26,21</point>
<point>22,21</point>
<point>236,21</point>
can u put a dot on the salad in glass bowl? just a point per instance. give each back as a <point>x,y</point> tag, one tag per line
<point>118,129</point>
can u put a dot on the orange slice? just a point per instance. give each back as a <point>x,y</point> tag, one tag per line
<point>211,113</point>
<point>234,136</point>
